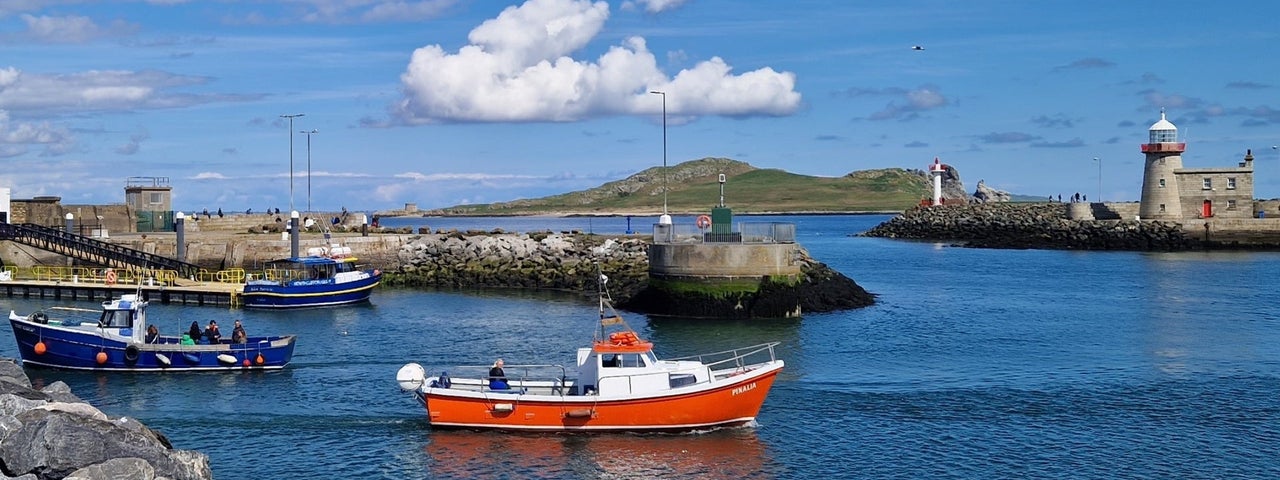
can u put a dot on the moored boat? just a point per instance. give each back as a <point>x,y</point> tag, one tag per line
<point>116,340</point>
<point>618,384</point>
<point>326,277</point>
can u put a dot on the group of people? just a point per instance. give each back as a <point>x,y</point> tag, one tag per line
<point>211,333</point>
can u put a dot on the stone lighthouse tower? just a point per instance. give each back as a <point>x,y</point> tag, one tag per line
<point>1160,197</point>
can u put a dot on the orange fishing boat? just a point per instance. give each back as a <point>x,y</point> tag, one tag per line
<point>618,385</point>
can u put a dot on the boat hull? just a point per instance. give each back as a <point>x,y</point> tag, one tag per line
<point>311,293</point>
<point>68,349</point>
<point>732,402</point>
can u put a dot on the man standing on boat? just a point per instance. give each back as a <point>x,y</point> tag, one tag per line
<point>497,378</point>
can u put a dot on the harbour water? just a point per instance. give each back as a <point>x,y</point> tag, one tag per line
<point>973,364</point>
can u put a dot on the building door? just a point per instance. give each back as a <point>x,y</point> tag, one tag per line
<point>1206,210</point>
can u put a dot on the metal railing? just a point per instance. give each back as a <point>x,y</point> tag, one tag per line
<point>121,277</point>
<point>746,232</point>
<point>738,358</point>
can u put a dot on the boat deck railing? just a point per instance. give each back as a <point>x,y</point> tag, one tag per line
<point>535,379</point>
<point>737,359</point>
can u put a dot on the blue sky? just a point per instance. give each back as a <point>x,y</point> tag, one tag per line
<point>443,102</point>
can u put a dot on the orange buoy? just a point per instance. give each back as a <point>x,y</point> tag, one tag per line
<point>41,348</point>
<point>703,221</point>
<point>102,358</point>
<point>260,360</point>
<point>246,362</point>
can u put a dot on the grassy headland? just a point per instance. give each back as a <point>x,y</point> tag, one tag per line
<point>694,188</point>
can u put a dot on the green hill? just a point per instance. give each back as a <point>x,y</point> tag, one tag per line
<point>694,188</point>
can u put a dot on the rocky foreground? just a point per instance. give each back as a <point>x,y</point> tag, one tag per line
<point>571,262</point>
<point>52,434</point>
<point>1030,225</point>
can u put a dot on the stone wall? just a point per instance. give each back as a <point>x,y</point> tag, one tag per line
<point>569,262</point>
<point>1031,225</point>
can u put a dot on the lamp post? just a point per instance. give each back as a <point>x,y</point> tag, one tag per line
<point>1099,160</point>
<point>309,166</point>
<point>665,219</point>
<point>291,117</point>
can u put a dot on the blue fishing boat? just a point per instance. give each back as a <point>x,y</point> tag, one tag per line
<point>328,276</point>
<point>117,340</point>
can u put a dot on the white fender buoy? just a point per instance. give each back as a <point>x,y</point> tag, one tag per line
<point>411,376</point>
<point>163,360</point>
<point>227,359</point>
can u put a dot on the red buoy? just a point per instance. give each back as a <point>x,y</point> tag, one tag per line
<point>246,362</point>
<point>102,358</point>
<point>41,348</point>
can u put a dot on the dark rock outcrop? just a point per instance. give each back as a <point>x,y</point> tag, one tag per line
<point>51,434</point>
<point>570,261</point>
<point>1030,225</point>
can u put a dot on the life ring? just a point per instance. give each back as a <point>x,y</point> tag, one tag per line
<point>703,221</point>
<point>40,317</point>
<point>131,353</point>
<point>111,277</point>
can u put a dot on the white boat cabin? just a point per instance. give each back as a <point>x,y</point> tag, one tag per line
<point>617,372</point>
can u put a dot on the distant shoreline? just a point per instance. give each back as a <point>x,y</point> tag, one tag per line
<point>614,214</point>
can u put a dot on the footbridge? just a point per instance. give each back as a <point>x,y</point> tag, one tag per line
<point>93,251</point>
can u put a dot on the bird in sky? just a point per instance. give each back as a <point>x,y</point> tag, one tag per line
<point>917,47</point>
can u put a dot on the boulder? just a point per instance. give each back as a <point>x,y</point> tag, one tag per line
<point>55,444</point>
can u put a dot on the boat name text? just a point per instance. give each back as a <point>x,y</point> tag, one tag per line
<point>745,388</point>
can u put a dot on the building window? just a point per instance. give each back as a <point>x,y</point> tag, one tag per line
<point>1231,204</point>
<point>1231,183</point>
<point>1161,183</point>
<point>1161,208</point>
<point>1208,184</point>
<point>155,198</point>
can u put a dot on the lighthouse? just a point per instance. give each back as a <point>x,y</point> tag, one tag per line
<point>936,171</point>
<point>1160,196</point>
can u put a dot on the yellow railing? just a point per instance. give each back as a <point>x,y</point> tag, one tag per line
<point>121,277</point>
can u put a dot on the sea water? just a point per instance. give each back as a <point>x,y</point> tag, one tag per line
<point>972,364</point>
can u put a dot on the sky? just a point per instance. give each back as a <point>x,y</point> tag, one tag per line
<point>446,102</point>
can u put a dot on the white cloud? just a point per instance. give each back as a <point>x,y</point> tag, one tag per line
<point>101,90</point>
<point>16,138</point>
<point>436,177</point>
<point>653,6</point>
<point>518,69</point>
<point>70,29</point>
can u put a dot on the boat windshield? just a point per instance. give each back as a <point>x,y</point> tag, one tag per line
<point>116,319</point>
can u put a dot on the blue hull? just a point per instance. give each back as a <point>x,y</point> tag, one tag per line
<point>79,351</point>
<point>312,293</point>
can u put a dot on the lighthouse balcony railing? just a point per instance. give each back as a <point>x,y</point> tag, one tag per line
<point>745,233</point>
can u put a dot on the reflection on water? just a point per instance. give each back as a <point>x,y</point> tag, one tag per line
<point>720,454</point>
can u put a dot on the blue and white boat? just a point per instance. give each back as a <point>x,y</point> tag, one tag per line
<point>116,340</point>
<point>328,276</point>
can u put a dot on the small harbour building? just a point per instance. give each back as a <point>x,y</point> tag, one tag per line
<point>1171,192</point>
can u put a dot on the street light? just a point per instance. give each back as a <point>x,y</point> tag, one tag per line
<point>291,117</point>
<point>665,219</point>
<point>1099,160</point>
<point>308,165</point>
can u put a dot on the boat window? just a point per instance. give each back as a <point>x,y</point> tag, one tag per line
<point>115,318</point>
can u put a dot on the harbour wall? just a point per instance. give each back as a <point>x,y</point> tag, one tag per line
<point>1062,226</point>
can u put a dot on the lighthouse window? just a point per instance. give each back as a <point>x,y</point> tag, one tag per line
<point>1161,208</point>
<point>1231,204</point>
<point>1231,183</point>
<point>1208,184</point>
<point>1161,183</point>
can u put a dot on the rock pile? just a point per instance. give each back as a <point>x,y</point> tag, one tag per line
<point>52,434</point>
<point>1030,225</point>
<point>537,260</point>
<point>568,262</point>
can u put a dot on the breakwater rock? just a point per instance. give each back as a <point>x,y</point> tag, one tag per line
<point>569,262</point>
<point>51,434</point>
<point>1031,225</point>
<point>535,260</point>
